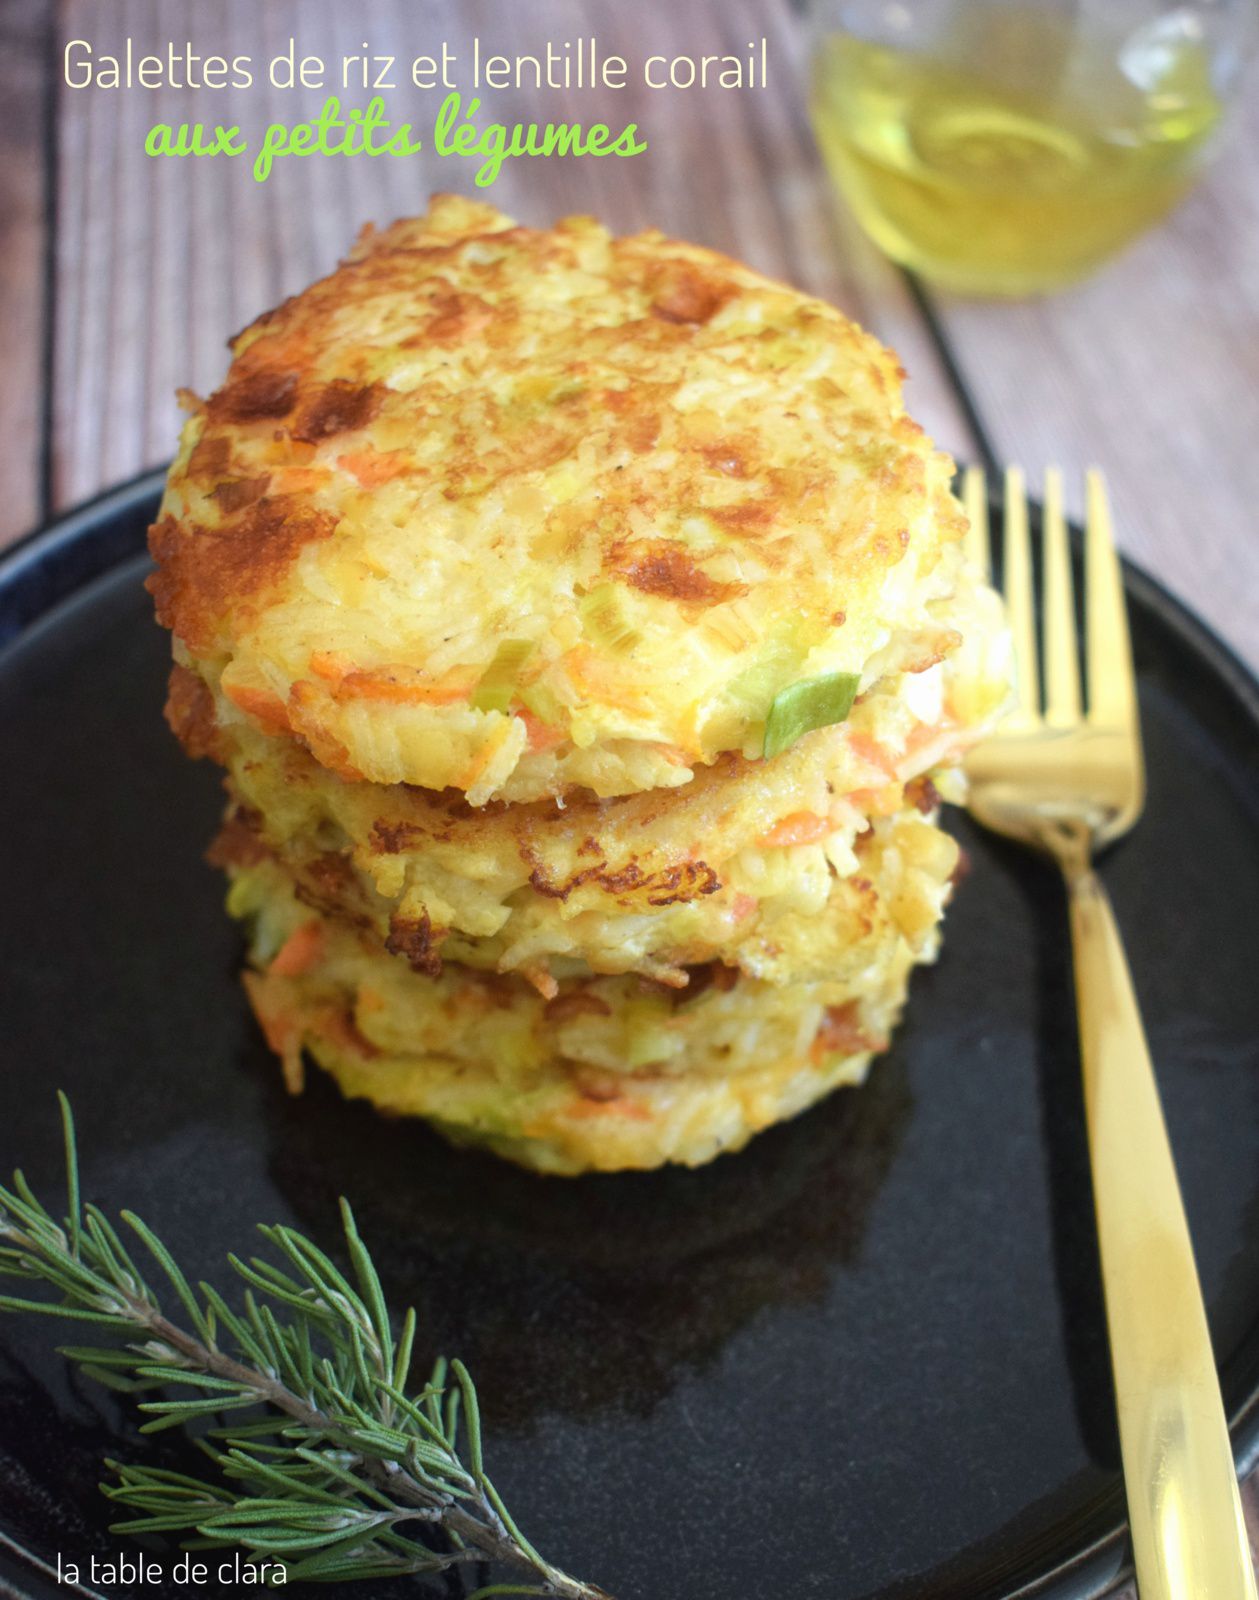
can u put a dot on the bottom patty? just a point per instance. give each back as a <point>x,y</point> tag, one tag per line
<point>609,1072</point>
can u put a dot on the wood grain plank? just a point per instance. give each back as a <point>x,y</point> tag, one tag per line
<point>1150,370</point>
<point>159,261</point>
<point>25,73</point>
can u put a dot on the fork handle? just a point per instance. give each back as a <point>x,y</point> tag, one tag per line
<point>1188,1536</point>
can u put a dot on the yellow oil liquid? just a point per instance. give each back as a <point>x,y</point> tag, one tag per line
<point>1022,159</point>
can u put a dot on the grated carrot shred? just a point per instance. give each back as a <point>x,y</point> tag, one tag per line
<point>267,709</point>
<point>392,684</point>
<point>331,665</point>
<point>540,735</point>
<point>582,1109</point>
<point>374,467</point>
<point>302,950</point>
<point>800,827</point>
<point>871,752</point>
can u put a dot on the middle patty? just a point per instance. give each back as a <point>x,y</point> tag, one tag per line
<point>734,866</point>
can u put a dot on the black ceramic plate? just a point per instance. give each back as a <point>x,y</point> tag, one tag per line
<point>863,1358</point>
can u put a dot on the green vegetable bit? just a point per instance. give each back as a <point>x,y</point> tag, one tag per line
<point>811,703</point>
<point>496,686</point>
<point>604,622</point>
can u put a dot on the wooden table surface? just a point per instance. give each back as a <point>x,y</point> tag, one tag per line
<point>121,277</point>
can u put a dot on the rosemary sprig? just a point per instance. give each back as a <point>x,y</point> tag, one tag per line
<point>337,1472</point>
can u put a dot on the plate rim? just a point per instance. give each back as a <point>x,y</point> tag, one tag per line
<point>49,560</point>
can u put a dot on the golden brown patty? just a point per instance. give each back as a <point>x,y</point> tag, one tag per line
<point>808,925</point>
<point>651,883</point>
<point>514,511</point>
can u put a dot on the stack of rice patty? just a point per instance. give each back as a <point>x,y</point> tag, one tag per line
<point>584,629</point>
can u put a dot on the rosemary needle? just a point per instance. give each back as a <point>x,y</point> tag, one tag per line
<point>335,1471</point>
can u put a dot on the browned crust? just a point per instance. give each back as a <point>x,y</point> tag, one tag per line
<point>686,293</point>
<point>923,795</point>
<point>594,825</point>
<point>842,1031</point>
<point>204,575</point>
<point>254,393</point>
<point>235,494</point>
<point>711,975</point>
<point>189,713</point>
<point>659,567</point>
<point>417,940</point>
<point>238,843</point>
<point>338,407</point>
<point>575,1003</point>
<point>672,885</point>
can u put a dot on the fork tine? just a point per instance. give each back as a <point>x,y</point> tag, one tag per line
<point>1062,670</point>
<point>1018,599</point>
<point>975,501</point>
<point>1111,688</point>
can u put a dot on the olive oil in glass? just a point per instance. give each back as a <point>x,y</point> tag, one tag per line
<point>1014,150</point>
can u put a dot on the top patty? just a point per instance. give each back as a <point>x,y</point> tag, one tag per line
<point>517,511</point>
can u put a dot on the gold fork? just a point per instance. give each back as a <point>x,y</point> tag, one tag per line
<point>1069,779</point>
